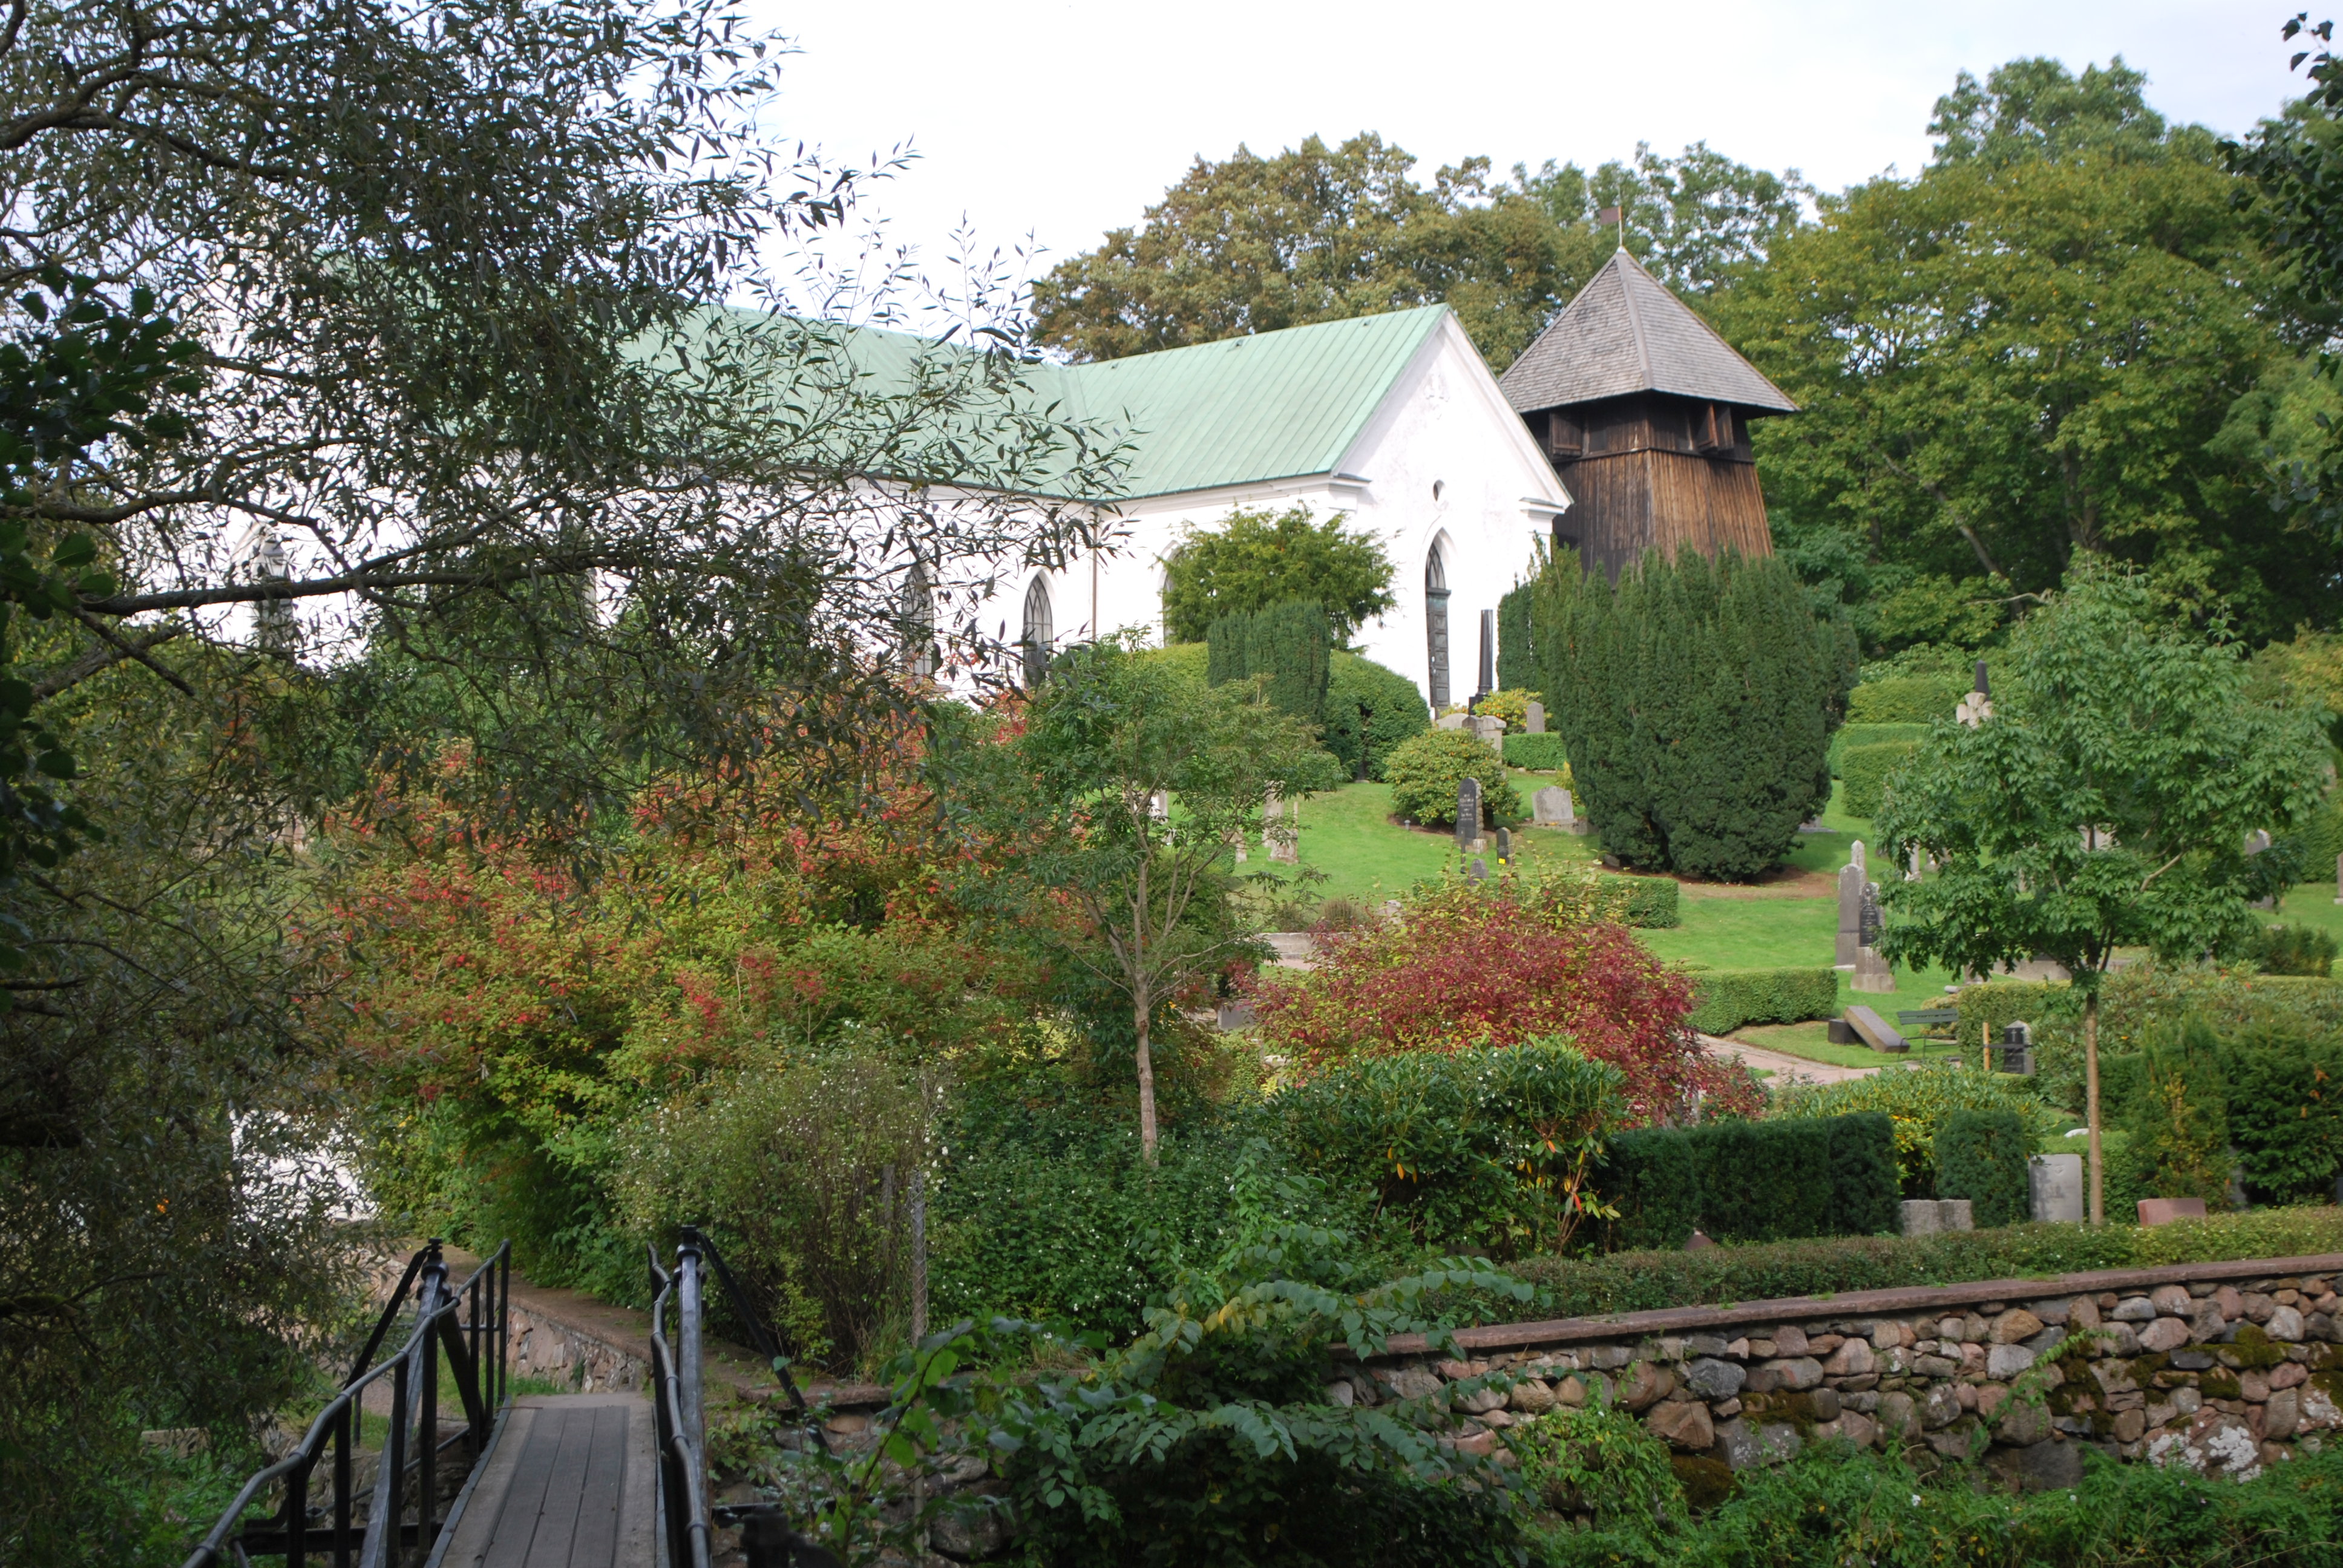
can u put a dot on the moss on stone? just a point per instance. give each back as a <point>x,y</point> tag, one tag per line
<point>2253,1348</point>
<point>1707,1483</point>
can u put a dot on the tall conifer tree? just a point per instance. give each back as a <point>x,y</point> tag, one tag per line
<point>1695,700</point>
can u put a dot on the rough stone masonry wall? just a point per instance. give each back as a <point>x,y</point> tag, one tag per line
<point>2222,1367</point>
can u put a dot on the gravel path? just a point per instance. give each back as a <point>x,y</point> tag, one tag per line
<point>1783,1066</point>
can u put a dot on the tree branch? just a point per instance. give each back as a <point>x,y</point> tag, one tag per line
<point>99,659</point>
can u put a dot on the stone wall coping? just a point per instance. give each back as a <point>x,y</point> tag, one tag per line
<point>1856,1304</point>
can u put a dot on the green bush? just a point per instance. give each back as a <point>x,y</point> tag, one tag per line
<point>1852,735</point>
<point>1538,753</point>
<point>2317,843</point>
<point>2173,1106</point>
<point>1750,1181</point>
<point>1517,663</point>
<point>1833,1505</point>
<point>1370,709</point>
<point>1724,1000</point>
<point>2292,951</point>
<point>1287,646</point>
<point>1866,1190</point>
<point>1652,901</point>
<point>1907,700</point>
<point>1482,1148</point>
<point>786,1166</point>
<point>1667,1276</point>
<point>2285,1102</point>
<point>1694,699</point>
<point>1597,1467</point>
<point>1425,770</point>
<point>1981,1156</point>
<point>1864,772</point>
<point>1986,1009</point>
<point>1918,1098</point>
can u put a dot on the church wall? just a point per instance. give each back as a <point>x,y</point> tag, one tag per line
<point>1444,424</point>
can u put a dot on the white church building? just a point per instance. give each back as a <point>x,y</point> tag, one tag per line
<point>1392,420</point>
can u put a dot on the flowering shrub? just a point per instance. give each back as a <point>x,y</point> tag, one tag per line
<point>1468,966</point>
<point>516,1015</point>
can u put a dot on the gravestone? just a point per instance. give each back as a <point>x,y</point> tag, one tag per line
<point>1480,872</point>
<point>1932,1216</point>
<point>1504,847</point>
<point>1552,808</point>
<point>1468,814</point>
<point>1535,723</point>
<point>1492,731</point>
<point>2055,1181</point>
<point>1850,915</point>
<point>1869,922</point>
<point>1855,858</point>
<point>1456,720</point>
<point>1876,1031</point>
<point>1874,975</point>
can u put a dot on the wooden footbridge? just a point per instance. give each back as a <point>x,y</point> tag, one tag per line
<point>573,1481</point>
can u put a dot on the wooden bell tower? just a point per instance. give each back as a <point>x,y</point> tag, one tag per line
<point>1645,411</point>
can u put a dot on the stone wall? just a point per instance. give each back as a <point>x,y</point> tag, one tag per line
<point>2223,1367</point>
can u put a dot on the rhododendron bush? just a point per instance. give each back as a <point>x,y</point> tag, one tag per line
<point>1498,965</point>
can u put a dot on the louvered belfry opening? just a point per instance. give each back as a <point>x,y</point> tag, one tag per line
<point>1645,411</point>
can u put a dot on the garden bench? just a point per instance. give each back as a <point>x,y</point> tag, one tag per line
<point>1927,1017</point>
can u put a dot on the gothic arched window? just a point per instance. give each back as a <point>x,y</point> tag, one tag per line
<point>1035,644</point>
<point>1435,627</point>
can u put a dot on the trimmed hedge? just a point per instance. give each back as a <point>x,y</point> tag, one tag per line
<point>1539,753</point>
<point>1751,1180</point>
<point>1370,709</point>
<point>1637,1281</point>
<point>1724,1000</point>
<point>1853,735</point>
<point>1864,771</point>
<point>1981,1156</point>
<point>1288,645</point>
<point>1907,700</point>
<point>1652,901</point>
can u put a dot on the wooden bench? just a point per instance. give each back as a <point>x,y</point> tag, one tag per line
<point>1927,1019</point>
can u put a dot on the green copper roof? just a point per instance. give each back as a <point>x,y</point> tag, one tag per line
<point>1274,405</point>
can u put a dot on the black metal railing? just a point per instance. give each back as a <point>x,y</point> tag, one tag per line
<point>401,1510</point>
<point>680,1415</point>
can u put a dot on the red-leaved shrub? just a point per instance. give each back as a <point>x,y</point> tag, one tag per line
<point>1495,966</point>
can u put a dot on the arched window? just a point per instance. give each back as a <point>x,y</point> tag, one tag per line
<point>1435,625</point>
<point>1035,645</point>
<point>918,621</point>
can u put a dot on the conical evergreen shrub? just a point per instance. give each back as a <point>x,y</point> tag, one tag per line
<point>1695,700</point>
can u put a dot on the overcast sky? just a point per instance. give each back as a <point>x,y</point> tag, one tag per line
<point>1057,122</point>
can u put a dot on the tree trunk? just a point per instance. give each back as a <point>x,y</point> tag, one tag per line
<point>1146,1088</point>
<point>2091,1101</point>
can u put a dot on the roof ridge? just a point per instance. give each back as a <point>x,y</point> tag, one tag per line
<point>1634,311</point>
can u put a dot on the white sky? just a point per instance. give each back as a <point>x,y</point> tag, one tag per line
<point>1058,121</point>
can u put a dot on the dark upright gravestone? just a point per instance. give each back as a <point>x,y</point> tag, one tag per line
<point>1505,848</point>
<point>1468,814</point>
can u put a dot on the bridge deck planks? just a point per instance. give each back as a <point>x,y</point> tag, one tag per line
<point>570,1484</point>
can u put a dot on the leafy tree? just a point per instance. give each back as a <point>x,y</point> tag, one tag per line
<point>2107,804</point>
<point>1255,560</point>
<point>2063,337</point>
<point>1692,219</point>
<point>1321,234</point>
<point>2296,161</point>
<point>1111,738</point>
<point>1695,701</point>
<point>1370,710</point>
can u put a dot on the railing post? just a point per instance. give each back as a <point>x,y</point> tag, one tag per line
<point>342,1427</point>
<point>693,1416</point>
<point>297,1517</point>
<point>394,1462</point>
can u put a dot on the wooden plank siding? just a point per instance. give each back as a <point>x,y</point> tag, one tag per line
<point>1655,472</point>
